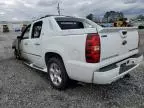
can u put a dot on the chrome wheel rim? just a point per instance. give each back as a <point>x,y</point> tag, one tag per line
<point>55,74</point>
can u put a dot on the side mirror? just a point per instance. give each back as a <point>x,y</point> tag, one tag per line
<point>19,37</point>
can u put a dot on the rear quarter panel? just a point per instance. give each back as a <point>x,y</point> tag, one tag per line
<point>70,47</point>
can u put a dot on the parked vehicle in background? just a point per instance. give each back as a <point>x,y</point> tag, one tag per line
<point>5,28</point>
<point>17,30</point>
<point>77,49</point>
<point>122,22</point>
<point>138,23</point>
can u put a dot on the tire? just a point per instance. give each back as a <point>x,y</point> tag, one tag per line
<point>17,55</point>
<point>57,73</point>
<point>73,82</point>
<point>127,76</point>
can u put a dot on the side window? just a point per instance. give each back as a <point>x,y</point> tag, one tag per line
<point>26,32</point>
<point>36,30</point>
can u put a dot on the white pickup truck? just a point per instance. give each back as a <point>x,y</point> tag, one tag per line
<point>70,48</point>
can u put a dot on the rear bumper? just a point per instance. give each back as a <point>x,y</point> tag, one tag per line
<point>111,73</point>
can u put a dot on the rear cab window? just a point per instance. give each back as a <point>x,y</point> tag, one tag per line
<point>66,23</point>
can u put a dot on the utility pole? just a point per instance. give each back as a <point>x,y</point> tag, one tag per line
<point>58,9</point>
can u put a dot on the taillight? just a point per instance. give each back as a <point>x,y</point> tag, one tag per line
<point>92,51</point>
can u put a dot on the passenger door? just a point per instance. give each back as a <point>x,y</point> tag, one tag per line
<point>24,42</point>
<point>35,44</point>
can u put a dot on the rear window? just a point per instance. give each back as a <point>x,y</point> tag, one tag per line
<point>70,25</point>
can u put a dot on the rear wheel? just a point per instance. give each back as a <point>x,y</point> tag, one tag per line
<point>57,73</point>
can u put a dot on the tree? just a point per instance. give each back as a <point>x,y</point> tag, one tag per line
<point>90,16</point>
<point>140,17</point>
<point>112,16</point>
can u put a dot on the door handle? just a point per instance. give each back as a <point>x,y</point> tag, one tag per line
<point>25,43</point>
<point>37,44</point>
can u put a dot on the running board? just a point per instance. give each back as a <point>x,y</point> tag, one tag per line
<point>35,67</point>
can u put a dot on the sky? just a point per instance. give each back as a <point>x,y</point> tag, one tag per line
<point>18,10</point>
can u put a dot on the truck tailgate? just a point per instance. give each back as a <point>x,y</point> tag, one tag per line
<point>118,41</point>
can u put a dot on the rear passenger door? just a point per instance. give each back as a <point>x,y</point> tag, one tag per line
<point>35,43</point>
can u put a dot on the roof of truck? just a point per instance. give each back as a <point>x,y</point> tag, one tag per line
<point>54,16</point>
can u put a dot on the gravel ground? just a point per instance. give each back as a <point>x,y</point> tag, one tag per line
<point>23,87</point>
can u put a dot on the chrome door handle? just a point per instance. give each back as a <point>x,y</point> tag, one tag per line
<point>37,44</point>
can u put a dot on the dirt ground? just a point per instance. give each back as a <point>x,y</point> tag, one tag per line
<point>24,87</point>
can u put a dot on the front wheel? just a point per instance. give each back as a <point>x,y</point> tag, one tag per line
<point>57,73</point>
<point>127,76</point>
<point>16,54</point>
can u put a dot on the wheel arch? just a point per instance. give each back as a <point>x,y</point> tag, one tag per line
<point>65,77</point>
<point>49,55</point>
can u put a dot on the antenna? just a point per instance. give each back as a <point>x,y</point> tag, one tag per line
<point>59,9</point>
